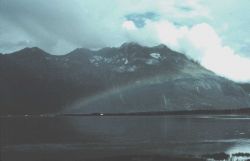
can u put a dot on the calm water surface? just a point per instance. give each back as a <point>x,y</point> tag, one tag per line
<point>92,137</point>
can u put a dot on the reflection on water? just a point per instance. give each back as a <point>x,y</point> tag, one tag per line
<point>187,134</point>
<point>89,137</point>
<point>240,146</point>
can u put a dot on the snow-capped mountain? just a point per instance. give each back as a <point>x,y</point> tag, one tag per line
<point>131,78</point>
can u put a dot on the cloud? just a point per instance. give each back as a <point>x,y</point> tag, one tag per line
<point>129,25</point>
<point>196,28</point>
<point>201,43</point>
<point>88,23</point>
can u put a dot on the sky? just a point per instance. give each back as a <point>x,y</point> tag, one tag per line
<point>214,33</point>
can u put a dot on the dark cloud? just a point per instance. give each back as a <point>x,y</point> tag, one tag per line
<point>59,26</point>
<point>49,23</point>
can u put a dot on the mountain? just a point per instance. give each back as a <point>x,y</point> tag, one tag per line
<point>130,78</point>
<point>246,87</point>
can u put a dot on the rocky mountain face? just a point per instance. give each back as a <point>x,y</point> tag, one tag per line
<point>246,87</point>
<point>131,78</point>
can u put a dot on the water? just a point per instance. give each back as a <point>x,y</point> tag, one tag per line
<point>92,137</point>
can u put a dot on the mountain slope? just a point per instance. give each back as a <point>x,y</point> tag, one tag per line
<point>246,87</point>
<point>131,78</point>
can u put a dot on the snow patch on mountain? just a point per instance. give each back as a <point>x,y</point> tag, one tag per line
<point>126,61</point>
<point>155,55</point>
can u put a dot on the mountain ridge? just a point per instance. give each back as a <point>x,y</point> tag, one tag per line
<point>121,79</point>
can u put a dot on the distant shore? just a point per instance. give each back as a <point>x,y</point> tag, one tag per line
<point>243,111</point>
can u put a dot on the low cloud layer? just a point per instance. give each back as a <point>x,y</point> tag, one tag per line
<point>206,31</point>
<point>201,43</point>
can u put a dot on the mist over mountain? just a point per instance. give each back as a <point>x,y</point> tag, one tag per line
<point>130,78</point>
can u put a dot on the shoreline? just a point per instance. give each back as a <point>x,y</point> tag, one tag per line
<point>243,111</point>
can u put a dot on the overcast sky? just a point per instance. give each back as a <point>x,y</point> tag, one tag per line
<point>215,33</point>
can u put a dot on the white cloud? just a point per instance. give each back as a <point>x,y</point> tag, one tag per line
<point>201,43</point>
<point>224,61</point>
<point>129,25</point>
